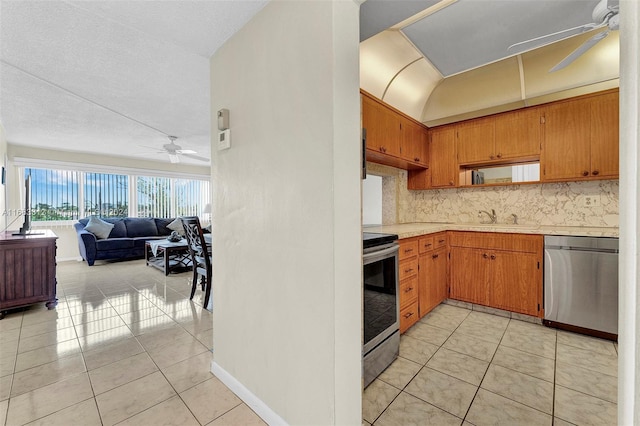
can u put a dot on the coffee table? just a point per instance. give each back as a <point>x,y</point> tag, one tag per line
<point>168,256</point>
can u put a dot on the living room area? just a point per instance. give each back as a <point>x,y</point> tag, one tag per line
<point>107,130</point>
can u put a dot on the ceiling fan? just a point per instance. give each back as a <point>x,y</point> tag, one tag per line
<point>174,151</point>
<point>604,15</point>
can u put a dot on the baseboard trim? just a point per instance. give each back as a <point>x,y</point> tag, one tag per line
<point>267,414</point>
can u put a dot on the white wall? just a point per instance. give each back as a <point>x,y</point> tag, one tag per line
<point>629,297</point>
<point>287,242</point>
<point>372,200</point>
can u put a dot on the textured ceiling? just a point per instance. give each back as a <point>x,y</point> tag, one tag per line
<point>112,76</point>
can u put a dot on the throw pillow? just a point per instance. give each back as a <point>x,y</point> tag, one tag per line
<point>176,225</point>
<point>99,227</point>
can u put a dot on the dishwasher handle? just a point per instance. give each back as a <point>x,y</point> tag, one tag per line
<point>585,249</point>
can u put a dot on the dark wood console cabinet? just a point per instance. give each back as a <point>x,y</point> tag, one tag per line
<point>27,270</point>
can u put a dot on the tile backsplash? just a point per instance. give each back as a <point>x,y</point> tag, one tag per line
<point>592,203</point>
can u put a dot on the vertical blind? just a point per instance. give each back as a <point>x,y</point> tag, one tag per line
<point>154,196</point>
<point>54,194</point>
<point>106,195</point>
<point>70,195</point>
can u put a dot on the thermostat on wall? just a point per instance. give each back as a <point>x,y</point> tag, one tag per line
<point>224,139</point>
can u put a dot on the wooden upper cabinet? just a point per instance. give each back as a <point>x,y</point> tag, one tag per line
<point>393,138</point>
<point>514,135</point>
<point>383,128</point>
<point>581,139</point>
<point>566,153</point>
<point>605,135</point>
<point>442,155</point>
<point>475,141</point>
<point>518,134</point>
<point>414,145</point>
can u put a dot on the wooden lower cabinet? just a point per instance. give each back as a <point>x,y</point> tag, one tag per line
<point>433,280</point>
<point>469,275</point>
<point>498,270</point>
<point>408,272</point>
<point>423,276</point>
<point>433,283</point>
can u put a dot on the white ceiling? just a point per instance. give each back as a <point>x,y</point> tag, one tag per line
<point>111,77</point>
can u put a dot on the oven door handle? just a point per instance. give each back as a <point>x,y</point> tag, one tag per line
<point>384,252</point>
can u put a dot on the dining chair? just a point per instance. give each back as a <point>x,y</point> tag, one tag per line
<point>200,256</point>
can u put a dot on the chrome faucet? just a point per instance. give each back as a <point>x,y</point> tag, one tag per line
<point>492,215</point>
<point>515,218</point>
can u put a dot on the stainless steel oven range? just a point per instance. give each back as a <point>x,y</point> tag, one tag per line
<point>381,310</point>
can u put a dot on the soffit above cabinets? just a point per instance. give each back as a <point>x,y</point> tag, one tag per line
<point>452,60</point>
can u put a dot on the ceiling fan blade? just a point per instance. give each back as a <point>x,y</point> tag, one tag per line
<point>196,157</point>
<point>579,51</point>
<point>542,39</point>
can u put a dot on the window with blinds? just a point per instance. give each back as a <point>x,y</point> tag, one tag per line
<point>59,195</point>
<point>55,194</point>
<point>154,196</point>
<point>191,197</point>
<point>106,195</point>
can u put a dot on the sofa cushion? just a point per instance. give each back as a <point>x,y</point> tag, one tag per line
<point>115,244</point>
<point>99,227</point>
<point>119,230</point>
<point>162,225</point>
<point>141,227</point>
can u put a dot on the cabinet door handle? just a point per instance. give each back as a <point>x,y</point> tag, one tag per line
<point>441,241</point>
<point>416,159</point>
<point>435,256</point>
<point>427,245</point>
<point>408,250</point>
<point>408,314</point>
<point>451,182</point>
<point>585,173</point>
<point>408,290</point>
<point>492,157</point>
<point>493,257</point>
<point>499,155</point>
<point>406,271</point>
<point>595,173</point>
<point>485,255</point>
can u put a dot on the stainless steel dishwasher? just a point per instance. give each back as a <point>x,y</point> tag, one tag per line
<point>581,283</point>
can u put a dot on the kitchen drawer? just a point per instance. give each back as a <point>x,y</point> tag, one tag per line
<point>408,248</point>
<point>439,240</point>
<point>408,268</point>
<point>408,316</point>
<point>497,241</point>
<point>426,243</point>
<point>408,291</point>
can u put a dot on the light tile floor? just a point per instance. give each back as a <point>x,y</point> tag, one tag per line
<point>459,366</point>
<point>125,345</point>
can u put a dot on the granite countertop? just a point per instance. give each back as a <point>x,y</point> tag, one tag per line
<point>408,230</point>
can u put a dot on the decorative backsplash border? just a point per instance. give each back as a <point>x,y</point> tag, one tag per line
<point>559,204</point>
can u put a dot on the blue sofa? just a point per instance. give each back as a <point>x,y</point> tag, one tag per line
<point>125,241</point>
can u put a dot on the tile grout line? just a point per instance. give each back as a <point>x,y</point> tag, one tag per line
<point>485,374</point>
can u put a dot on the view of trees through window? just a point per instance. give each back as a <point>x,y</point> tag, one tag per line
<point>70,195</point>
